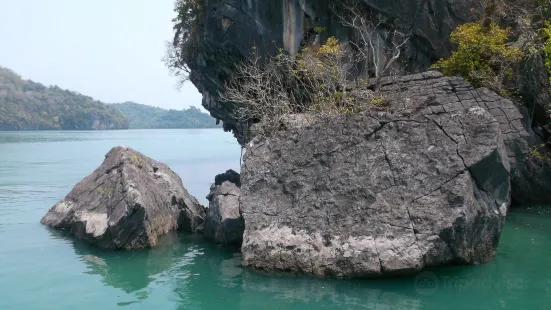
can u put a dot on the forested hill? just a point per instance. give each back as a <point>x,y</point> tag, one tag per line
<point>146,117</point>
<point>27,105</point>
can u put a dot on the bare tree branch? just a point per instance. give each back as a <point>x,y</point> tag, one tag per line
<point>319,81</point>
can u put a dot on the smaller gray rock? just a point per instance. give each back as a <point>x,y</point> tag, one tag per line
<point>127,203</point>
<point>224,223</point>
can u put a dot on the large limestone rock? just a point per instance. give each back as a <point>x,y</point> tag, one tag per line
<point>127,203</point>
<point>224,223</point>
<point>378,194</point>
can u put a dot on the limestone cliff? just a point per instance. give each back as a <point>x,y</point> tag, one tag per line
<point>230,28</point>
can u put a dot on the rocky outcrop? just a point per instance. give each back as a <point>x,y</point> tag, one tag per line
<point>224,223</point>
<point>230,28</point>
<point>530,177</point>
<point>127,203</point>
<point>383,193</point>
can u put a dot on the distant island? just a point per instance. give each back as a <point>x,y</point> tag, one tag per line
<point>27,105</point>
<point>143,116</point>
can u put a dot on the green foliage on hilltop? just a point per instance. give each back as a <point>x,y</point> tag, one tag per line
<point>148,117</point>
<point>27,105</point>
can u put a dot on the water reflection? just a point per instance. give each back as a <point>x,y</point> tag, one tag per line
<point>210,279</point>
<point>37,137</point>
<point>350,294</point>
<point>200,275</point>
<point>205,276</point>
<point>130,271</point>
<point>215,279</point>
<point>63,136</point>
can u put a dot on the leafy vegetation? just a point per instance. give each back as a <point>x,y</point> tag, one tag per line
<point>513,61</point>
<point>137,161</point>
<point>547,47</point>
<point>147,117</point>
<point>482,57</point>
<point>26,105</point>
<point>182,50</point>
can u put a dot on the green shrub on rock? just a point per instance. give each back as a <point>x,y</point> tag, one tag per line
<point>547,47</point>
<point>482,57</point>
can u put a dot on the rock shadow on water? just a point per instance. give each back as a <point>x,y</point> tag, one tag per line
<point>130,271</point>
<point>216,280</point>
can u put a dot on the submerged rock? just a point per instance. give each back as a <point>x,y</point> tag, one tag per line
<point>377,194</point>
<point>127,203</point>
<point>224,223</point>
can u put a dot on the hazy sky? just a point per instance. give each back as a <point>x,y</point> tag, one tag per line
<point>107,49</point>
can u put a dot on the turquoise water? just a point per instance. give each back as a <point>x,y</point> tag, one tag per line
<point>43,269</point>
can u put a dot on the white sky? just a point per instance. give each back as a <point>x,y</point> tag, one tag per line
<point>107,49</point>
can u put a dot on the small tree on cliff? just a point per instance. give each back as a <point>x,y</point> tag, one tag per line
<point>183,47</point>
<point>482,56</point>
